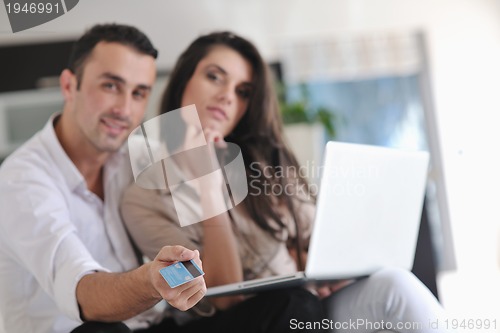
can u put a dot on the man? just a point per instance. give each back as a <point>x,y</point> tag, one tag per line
<point>65,257</point>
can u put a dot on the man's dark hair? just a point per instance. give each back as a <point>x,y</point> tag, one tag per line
<point>117,33</point>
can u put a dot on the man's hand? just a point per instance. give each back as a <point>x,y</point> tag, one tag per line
<point>112,297</point>
<point>184,296</point>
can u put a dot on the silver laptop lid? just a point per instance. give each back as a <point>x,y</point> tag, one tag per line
<point>368,211</point>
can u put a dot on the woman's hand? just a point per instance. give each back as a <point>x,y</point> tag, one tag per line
<point>214,136</point>
<point>326,290</point>
<point>199,157</point>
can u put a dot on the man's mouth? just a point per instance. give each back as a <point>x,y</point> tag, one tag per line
<point>114,126</point>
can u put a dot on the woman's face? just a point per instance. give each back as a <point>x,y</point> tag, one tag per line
<point>220,88</point>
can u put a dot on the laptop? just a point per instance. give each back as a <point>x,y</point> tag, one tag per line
<point>367,217</point>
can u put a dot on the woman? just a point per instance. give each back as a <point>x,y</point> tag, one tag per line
<point>224,76</point>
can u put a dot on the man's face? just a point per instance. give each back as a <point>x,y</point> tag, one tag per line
<point>115,85</point>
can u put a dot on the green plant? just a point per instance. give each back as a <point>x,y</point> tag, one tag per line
<point>301,111</point>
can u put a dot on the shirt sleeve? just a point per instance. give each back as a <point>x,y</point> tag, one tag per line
<point>151,220</point>
<point>37,232</point>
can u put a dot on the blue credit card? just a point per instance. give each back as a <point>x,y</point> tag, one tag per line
<point>180,273</point>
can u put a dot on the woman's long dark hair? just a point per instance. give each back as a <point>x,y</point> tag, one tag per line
<point>259,133</point>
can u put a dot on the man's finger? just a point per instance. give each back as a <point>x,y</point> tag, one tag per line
<point>175,253</point>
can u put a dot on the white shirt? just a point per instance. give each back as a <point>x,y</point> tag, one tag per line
<point>53,231</point>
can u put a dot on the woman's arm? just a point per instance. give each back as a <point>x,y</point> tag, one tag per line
<point>222,262</point>
<point>152,219</point>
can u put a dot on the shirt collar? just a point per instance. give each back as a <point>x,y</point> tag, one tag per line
<point>73,176</point>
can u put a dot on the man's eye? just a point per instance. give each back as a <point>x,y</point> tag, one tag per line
<point>139,94</point>
<point>110,85</point>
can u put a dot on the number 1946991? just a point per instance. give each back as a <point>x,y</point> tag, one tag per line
<point>32,8</point>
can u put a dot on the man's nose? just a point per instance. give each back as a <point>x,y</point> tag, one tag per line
<point>123,105</point>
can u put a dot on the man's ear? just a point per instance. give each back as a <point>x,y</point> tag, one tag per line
<point>68,83</point>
